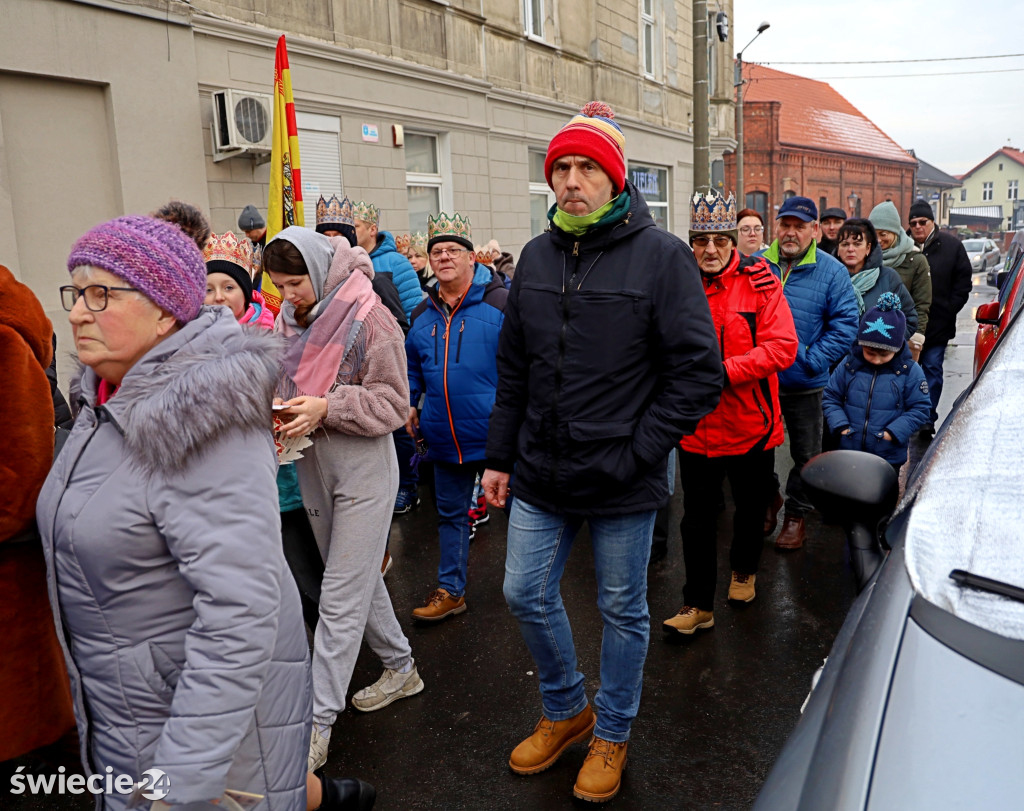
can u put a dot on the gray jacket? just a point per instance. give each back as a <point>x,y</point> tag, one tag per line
<point>180,623</point>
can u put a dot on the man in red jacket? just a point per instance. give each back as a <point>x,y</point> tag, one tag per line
<point>757,339</point>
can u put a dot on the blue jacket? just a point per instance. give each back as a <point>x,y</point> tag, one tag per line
<point>871,400</point>
<point>824,306</point>
<point>456,367</point>
<point>387,259</point>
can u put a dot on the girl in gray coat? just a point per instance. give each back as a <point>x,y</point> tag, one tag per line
<point>179,622</point>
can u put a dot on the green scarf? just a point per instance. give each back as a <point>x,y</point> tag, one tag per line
<point>862,282</point>
<point>612,211</point>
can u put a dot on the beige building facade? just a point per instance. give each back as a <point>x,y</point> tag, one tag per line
<point>107,108</point>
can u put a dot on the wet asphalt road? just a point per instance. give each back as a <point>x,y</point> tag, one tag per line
<point>716,707</point>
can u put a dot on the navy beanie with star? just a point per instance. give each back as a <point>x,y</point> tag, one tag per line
<point>884,326</point>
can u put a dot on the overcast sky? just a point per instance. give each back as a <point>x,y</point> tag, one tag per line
<point>951,121</point>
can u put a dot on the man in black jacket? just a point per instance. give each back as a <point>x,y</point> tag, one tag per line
<point>607,357</point>
<point>951,287</point>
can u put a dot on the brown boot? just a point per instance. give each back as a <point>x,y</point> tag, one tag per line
<point>601,776</point>
<point>439,605</point>
<point>771,516</point>
<point>792,535</point>
<point>549,740</point>
<point>741,587</point>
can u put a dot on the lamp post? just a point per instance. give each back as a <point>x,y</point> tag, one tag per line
<point>852,200</point>
<point>741,201</point>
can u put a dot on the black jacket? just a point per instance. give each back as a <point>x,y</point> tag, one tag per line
<point>951,285</point>
<point>607,357</point>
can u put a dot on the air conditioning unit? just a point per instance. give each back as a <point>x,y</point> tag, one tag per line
<point>243,123</point>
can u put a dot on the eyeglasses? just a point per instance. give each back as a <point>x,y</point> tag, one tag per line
<point>95,295</point>
<point>748,230</point>
<point>918,223</point>
<point>437,253</point>
<point>720,242</point>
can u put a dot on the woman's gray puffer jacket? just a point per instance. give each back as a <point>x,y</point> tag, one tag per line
<point>180,623</point>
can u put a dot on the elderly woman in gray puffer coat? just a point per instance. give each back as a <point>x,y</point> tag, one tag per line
<point>180,623</point>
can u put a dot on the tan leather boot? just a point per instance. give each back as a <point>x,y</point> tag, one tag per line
<point>549,740</point>
<point>792,535</point>
<point>439,605</point>
<point>741,587</point>
<point>601,776</point>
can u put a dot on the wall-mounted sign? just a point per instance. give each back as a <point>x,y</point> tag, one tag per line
<point>646,182</point>
<point>370,133</point>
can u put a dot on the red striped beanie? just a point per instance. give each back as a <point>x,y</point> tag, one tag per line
<point>594,134</point>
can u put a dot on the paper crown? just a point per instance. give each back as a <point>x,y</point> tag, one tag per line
<point>455,228</point>
<point>418,242</point>
<point>367,212</point>
<point>227,247</point>
<point>257,264</point>
<point>334,211</point>
<point>712,214</point>
<point>402,242</point>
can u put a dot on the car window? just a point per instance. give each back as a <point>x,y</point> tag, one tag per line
<point>972,245</point>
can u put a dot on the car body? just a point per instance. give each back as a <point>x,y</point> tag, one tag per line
<point>919,702</point>
<point>993,316</point>
<point>983,253</point>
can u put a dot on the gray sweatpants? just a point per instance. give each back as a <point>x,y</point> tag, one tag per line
<point>348,486</point>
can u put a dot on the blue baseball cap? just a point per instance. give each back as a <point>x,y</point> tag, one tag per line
<point>800,207</point>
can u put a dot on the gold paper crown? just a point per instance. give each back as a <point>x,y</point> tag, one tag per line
<point>367,212</point>
<point>402,242</point>
<point>334,211</point>
<point>418,242</point>
<point>457,227</point>
<point>712,213</point>
<point>227,247</point>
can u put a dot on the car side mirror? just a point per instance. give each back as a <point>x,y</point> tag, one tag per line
<point>860,490</point>
<point>1001,277</point>
<point>988,313</point>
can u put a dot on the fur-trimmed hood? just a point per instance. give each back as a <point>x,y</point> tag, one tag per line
<point>209,377</point>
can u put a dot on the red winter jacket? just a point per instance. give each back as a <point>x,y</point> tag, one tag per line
<point>757,339</point>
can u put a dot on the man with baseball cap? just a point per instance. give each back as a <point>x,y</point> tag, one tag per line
<point>607,357</point>
<point>824,306</point>
<point>831,221</point>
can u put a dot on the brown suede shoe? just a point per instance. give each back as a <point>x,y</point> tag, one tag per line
<point>440,604</point>
<point>601,776</point>
<point>771,516</point>
<point>549,740</point>
<point>792,535</point>
<point>689,620</point>
<point>741,587</point>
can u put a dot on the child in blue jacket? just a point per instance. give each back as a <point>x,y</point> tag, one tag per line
<point>877,397</point>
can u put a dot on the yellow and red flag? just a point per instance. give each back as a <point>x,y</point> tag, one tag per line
<point>285,206</point>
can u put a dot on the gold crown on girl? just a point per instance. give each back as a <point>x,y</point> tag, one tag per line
<point>402,242</point>
<point>227,247</point>
<point>418,242</point>
<point>444,226</point>
<point>712,213</point>
<point>334,211</point>
<point>367,212</point>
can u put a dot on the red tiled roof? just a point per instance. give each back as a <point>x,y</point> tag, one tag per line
<point>815,116</point>
<point>1006,152</point>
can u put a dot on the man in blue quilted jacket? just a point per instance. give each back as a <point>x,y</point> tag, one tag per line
<point>824,306</point>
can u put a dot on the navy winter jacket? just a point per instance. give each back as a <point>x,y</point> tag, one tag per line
<point>387,259</point>
<point>870,400</point>
<point>889,281</point>
<point>824,306</point>
<point>452,360</point>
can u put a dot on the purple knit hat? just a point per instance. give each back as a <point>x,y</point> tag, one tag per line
<point>153,256</point>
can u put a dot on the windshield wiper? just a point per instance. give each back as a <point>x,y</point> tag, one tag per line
<point>976,581</point>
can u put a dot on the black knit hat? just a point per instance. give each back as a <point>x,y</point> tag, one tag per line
<point>833,213</point>
<point>884,326</point>
<point>236,272</point>
<point>921,208</point>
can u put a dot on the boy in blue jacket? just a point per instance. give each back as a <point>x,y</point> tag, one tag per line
<point>877,398</point>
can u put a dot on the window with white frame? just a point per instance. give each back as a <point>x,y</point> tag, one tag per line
<point>963,195</point>
<point>1011,189</point>
<point>541,196</point>
<point>986,191</point>
<point>425,171</point>
<point>533,17</point>
<point>652,183</point>
<point>320,148</point>
<point>648,38</point>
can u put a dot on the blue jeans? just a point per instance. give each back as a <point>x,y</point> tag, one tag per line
<point>405,450</point>
<point>803,418</point>
<point>453,486</point>
<point>931,360</point>
<point>537,548</point>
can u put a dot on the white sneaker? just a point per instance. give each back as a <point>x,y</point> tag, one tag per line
<point>317,749</point>
<point>388,688</point>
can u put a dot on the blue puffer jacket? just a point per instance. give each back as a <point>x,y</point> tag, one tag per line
<point>871,400</point>
<point>387,259</point>
<point>457,368</point>
<point>824,307</point>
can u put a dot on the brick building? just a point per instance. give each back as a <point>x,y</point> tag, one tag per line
<point>802,138</point>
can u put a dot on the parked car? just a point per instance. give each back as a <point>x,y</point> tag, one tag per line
<point>993,316</point>
<point>918,705</point>
<point>983,253</point>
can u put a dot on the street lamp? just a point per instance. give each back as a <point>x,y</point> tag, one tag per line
<point>852,200</point>
<point>738,83</point>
